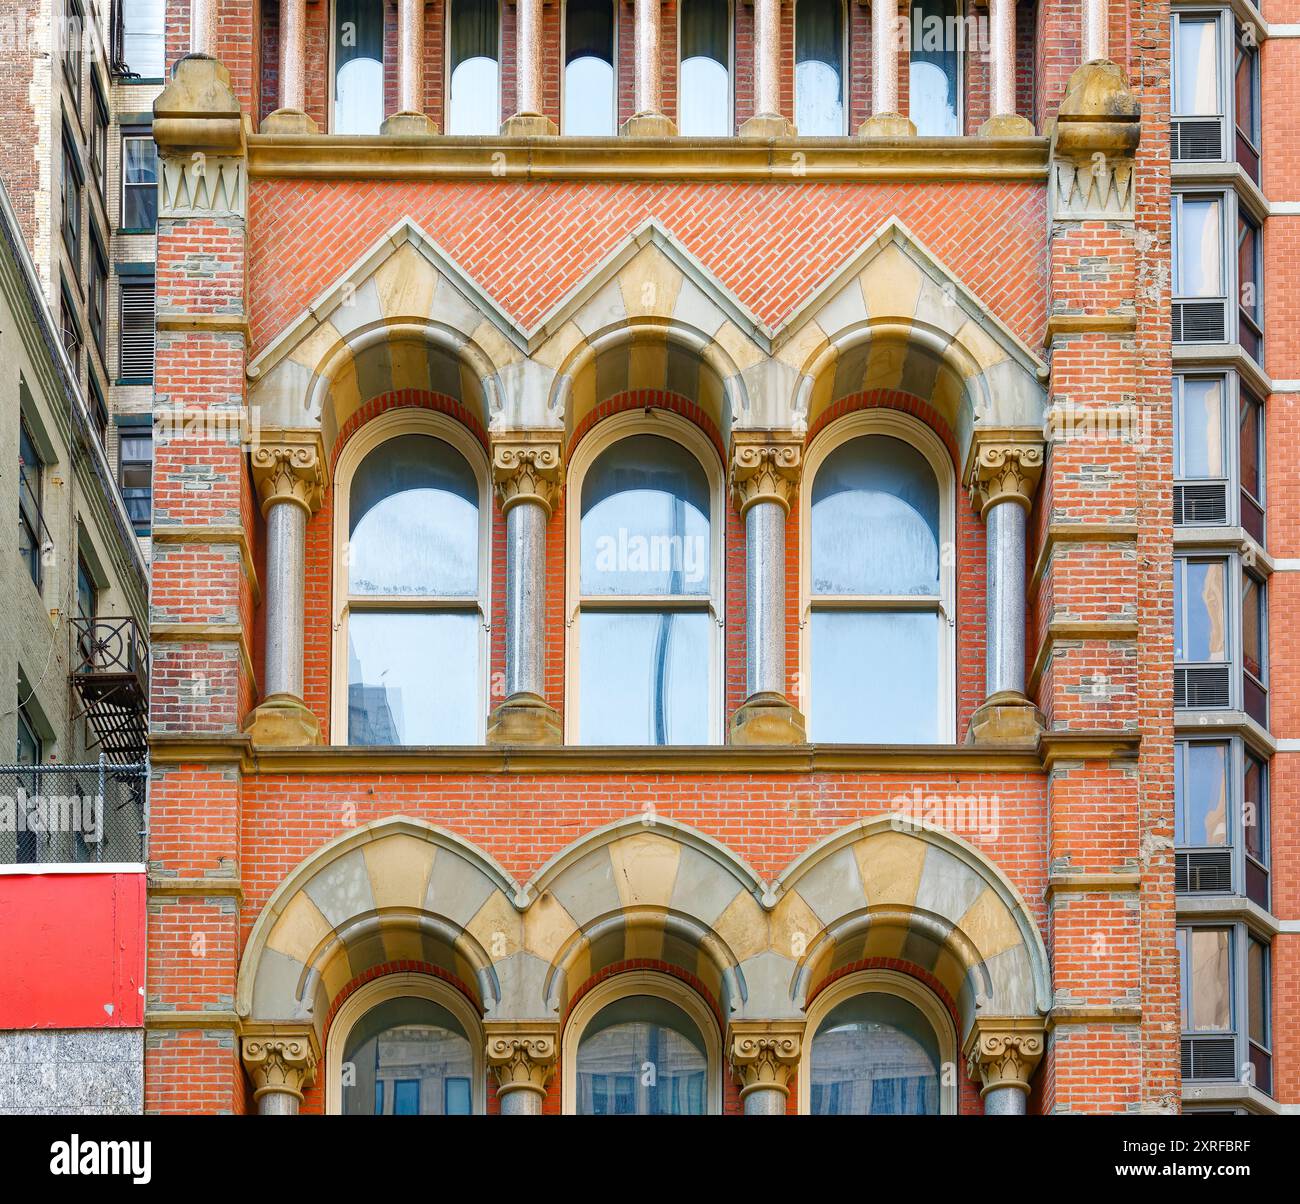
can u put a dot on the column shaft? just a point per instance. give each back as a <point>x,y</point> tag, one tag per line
<point>884,57</point>
<point>1004,665</point>
<point>647,89</point>
<point>767,57</point>
<point>765,1102</point>
<point>286,542</point>
<point>277,1103</point>
<point>1002,19</point>
<point>528,53</point>
<point>521,1103</point>
<point>1096,30</point>
<point>1004,1101</point>
<point>293,72</point>
<point>410,56</point>
<point>765,598</point>
<point>525,597</point>
<point>203,27</point>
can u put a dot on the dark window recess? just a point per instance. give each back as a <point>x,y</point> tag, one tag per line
<point>1201,686</point>
<point>1201,505</point>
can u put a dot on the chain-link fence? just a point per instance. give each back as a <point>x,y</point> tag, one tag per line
<point>69,814</point>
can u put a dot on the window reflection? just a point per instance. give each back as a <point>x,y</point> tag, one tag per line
<point>358,66</point>
<point>1201,421</point>
<point>589,90</point>
<point>704,76</point>
<point>1196,67</point>
<point>934,74</point>
<point>819,68</point>
<point>1200,621</point>
<point>474,107</point>
<point>1201,794</point>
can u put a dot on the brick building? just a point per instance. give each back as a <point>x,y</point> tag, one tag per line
<point>654,612</point>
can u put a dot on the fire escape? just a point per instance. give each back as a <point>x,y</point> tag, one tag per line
<point>111,680</point>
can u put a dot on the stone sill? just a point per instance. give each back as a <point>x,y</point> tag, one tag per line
<point>784,160</point>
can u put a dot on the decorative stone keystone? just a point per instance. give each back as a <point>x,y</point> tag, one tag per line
<point>523,1057</point>
<point>1001,1054</point>
<point>281,1062</point>
<point>764,1055</point>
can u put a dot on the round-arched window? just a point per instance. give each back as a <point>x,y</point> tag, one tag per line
<point>642,1056</point>
<point>407,1056</point>
<point>875,1054</point>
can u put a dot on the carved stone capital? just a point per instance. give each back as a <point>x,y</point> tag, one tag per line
<point>765,467</point>
<point>522,1055</point>
<point>1003,1051</point>
<point>764,1054</point>
<point>1004,465</point>
<point>289,466</point>
<point>280,1058</point>
<point>1094,139</point>
<point>527,467</point>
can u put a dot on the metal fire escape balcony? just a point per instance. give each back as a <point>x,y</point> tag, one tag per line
<point>112,681</point>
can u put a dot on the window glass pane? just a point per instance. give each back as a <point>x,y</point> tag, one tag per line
<point>29,743</point>
<point>1244,88</point>
<point>456,1097</point>
<point>404,1050</point>
<point>139,183</point>
<point>1250,443</point>
<point>645,520</point>
<point>1200,635</point>
<point>819,68</point>
<point>1254,817</point>
<point>474,107</point>
<point>1199,261</point>
<point>1252,626</point>
<point>642,1056</point>
<point>932,91</point>
<point>645,677</point>
<point>358,66</point>
<point>704,80</point>
<point>875,1055</point>
<point>1248,268</point>
<point>143,42</point>
<point>1201,795</point>
<point>414,520</point>
<point>875,677</point>
<point>589,107</point>
<point>1201,425</point>
<point>1208,977</point>
<point>86,591</point>
<point>413,678</point>
<point>886,487</point>
<point>1196,67</point>
<point>1257,991</point>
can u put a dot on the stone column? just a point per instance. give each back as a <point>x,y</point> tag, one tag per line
<point>527,471</point>
<point>522,1055</point>
<point>291,116</point>
<point>281,1062</point>
<point>203,27</point>
<point>528,121</point>
<point>649,121</point>
<point>1001,1054</point>
<point>1003,121</point>
<point>410,117</point>
<point>885,120</point>
<point>1002,475</point>
<point>1096,30</point>
<point>768,121</point>
<point>765,468</point>
<point>289,472</point>
<point>764,1055</point>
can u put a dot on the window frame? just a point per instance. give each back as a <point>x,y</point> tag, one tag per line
<point>99,130</point>
<point>564,66</point>
<point>142,134</point>
<point>97,296</point>
<point>74,56</point>
<point>391,425</point>
<point>399,986</point>
<point>1253,135</point>
<point>846,68</point>
<point>731,69</point>
<point>31,512</point>
<point>963,67</point>
<point>883,982</point>
<point>72,179</point>
<point>1223,62</point>
<point>641,982</point>
<point>599,439</point>
<point>124,433</point>
<point>447,69</point>
<point>893,424</point>
<point>1227,267</point>
<point>132,285</point>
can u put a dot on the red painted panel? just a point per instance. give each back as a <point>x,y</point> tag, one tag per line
<point>71,950</point>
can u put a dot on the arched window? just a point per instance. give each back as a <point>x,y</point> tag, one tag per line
<point>704,77</point>
<point>819,69</point>
<point>405,1045</point>
<point>642,1044</point>
<point>878,584</point>
<point>410,496</point>
<point>358,66</point>
<point>935,71</point>
<point>590,105</point>
<point>882,1045</point>
<point>473,67</point>
<point>644,648</point>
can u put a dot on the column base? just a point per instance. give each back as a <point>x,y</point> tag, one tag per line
<point>528,125</point>
<point>767,718</point>
<point>525,719</point>
<point>767,125</point>
<point>289,121</point>
<point>408,125</point>
<point>1007,125</point>
<point>282,721</point>
<point>887,125</point>
<point>1006,717</point>
<point>648,125</point>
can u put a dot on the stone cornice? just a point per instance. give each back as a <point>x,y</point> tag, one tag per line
<point>785,160</point>
<point>289,466</point>
<point>765,467</point>
<point>527,467</point>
